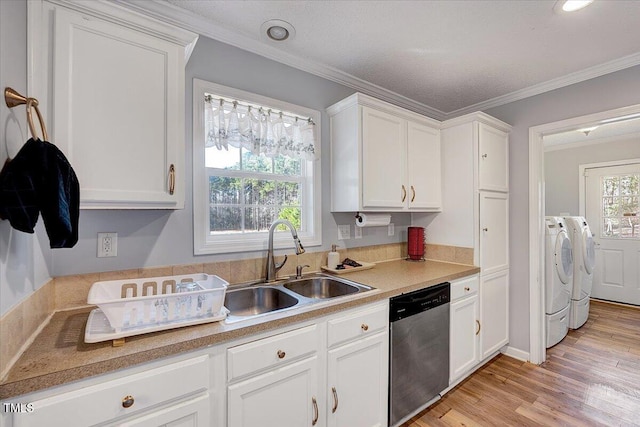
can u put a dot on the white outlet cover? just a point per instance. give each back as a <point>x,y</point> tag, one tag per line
<point>344,232</point>
<point>107,245</point>
<point>357,232</point>
<point>391,230</point>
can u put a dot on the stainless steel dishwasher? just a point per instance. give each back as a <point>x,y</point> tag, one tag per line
<point>419,349</point>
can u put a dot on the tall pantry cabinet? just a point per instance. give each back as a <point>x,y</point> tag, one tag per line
<point>475,214</point>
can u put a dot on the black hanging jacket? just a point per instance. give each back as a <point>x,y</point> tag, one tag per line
<point>40,179</point>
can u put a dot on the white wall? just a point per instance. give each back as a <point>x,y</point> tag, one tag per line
<point>604,93</point>
<point>561,170</point>
<point>23,257</point>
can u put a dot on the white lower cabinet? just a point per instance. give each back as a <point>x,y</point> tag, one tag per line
<point>494,312</point>
<point>464,343</point>
<point>172,395</point>
<point>331,373</point>
<point>284,396</point>
<point>358,383</point>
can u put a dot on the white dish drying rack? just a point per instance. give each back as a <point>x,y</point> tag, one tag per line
<point>139,306</point>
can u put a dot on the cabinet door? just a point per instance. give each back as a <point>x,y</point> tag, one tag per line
<point>494,231</point>
<point>383,160</point>
<point>493,151</point>
<point>494,312</point>
<point>423,167</point>
<point>357,391</point>
<point>192,413</point>
<point>464,330</point>
<point>118,97</point>
<point>286,396</point>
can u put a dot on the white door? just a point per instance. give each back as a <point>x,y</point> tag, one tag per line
<point>383,160</point>
<point>118,111</point>
<point>494,312</point>
<point>283,397</point>
<point>612,211</point>
<point>493,152</point>
<point>463,336</point>
<point>494,231</point>
<point>358,383</point>
<point>423,167</point>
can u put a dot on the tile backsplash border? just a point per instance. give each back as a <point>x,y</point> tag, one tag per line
<point>22,323</point>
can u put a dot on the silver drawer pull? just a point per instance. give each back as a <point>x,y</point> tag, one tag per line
<point>128,401</point>
<point>281,354</point>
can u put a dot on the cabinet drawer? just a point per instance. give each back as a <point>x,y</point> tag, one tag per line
<point>359,324</point>
<point>271,352</point>
<point>104,402</point>
<point>465,287</point>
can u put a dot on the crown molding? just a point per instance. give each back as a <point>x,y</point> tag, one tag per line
<point>185,19</point>
<point>569,79</point>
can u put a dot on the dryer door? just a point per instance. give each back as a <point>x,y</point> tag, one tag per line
<point>588,251</point>
<point>564,257</point>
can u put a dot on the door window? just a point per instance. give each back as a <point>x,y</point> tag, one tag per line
<point>620,207</point>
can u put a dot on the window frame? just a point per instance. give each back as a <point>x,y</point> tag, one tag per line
<point>206,244</point>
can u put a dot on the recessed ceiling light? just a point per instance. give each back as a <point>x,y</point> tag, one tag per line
<point>571,5</point>
<point>277,30</point>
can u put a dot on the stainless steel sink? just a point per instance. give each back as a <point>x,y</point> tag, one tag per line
<point>257,300</point>
<point>262,298</point>
<point>321,287</point>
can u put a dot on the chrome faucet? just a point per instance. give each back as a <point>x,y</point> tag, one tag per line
<point>272,267</point>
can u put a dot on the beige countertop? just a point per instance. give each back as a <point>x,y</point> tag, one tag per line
<point>59,354</point>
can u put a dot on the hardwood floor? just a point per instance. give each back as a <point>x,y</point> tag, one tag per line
<point>591,378</point>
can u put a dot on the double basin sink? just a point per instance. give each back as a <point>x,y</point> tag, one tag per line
<point>261,298</point>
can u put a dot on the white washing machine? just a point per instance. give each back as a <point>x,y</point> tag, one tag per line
<point>584,261</point>
<point>558,279</point>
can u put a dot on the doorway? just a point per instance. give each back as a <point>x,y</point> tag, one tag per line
<point>610,196</point>
<point>537,350</point>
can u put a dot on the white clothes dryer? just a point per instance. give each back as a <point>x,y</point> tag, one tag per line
<point>558,279</point>
<point>584,261</point>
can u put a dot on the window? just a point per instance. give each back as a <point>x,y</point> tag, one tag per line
<point>620,207</point>
<point>239,192</point>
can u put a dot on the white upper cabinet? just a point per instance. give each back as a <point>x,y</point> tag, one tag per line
<point>383,158</point>
<point>493,146</point>
<point>423,167</point>
<point>115,88</point>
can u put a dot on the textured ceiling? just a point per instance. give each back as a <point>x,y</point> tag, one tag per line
<point>448,55</point>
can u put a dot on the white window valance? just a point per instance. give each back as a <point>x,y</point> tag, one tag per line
<point>258,129</point>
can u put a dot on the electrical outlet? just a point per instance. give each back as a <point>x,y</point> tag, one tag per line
<point>107,245</point>
<point>357,232</point>
<point>391,230</point>
<point>344,232</point>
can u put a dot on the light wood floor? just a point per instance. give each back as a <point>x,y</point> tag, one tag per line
<point>591,378</point>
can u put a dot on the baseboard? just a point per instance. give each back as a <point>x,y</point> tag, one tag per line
<point>516,353</point>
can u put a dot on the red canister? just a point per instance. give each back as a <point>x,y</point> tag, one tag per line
<point>415,243</point>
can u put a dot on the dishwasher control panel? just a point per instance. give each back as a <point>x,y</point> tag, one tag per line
<point>418,301</point>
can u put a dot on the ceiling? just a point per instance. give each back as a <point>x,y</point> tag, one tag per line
<point>440,58</point>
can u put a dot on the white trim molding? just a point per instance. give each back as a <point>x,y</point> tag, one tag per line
<point>537,350</point>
